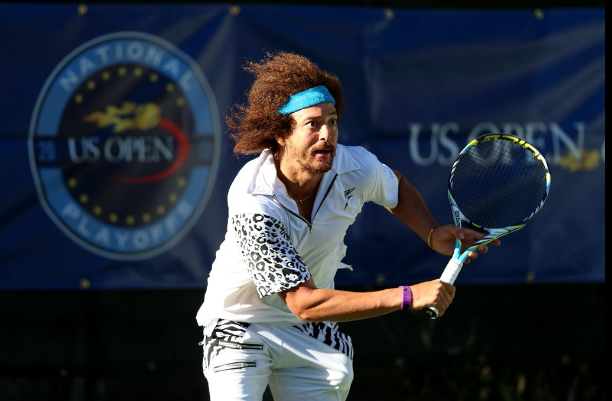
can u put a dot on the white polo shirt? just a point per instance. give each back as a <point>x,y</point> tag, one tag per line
<point>269,247</point>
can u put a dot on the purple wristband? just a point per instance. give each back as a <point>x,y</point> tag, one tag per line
<point>406,297</point>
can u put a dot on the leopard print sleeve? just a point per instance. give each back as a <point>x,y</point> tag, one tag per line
<point>271,259</point>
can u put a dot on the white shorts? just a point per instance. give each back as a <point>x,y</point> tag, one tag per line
<point>312,361</point>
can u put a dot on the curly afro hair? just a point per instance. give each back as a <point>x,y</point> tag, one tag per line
<point>255,126</point>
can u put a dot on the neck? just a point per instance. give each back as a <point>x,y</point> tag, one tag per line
<point>300,187</point>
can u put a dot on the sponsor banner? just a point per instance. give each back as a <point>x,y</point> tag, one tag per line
<point>115,162</point>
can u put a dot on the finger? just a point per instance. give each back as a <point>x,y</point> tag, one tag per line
<point>448,293</point>
<point>451,290</point>
<point>443,304</point>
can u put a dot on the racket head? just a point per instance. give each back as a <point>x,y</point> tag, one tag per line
<point>497,184</point>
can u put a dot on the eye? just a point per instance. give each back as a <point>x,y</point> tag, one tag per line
<point>333,122</point>
<point>312,124</point>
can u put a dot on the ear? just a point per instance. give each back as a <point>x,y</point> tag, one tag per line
<point>281,140</point>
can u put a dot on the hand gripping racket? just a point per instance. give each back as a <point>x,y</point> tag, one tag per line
<point>497,184</point>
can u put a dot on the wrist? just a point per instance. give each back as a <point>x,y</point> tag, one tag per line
<point>406,297</point>
<point>430,237</point>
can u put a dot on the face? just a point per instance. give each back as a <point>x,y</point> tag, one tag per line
<point>312,144</point>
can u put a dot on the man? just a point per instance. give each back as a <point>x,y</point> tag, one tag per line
<point>270,311</point>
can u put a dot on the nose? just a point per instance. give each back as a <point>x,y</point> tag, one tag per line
<point>326,133</point>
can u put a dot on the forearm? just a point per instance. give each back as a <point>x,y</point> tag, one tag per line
<point>314,304</point>
<point>412,210</point>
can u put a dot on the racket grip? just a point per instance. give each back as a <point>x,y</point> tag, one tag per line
<point>449,275</point>
<point>451,271</point>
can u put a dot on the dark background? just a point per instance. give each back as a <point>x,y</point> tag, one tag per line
<point>381,3</point>
<point>517,342</point>
<point>542,342</point>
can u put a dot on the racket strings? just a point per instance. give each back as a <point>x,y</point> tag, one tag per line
<point>498,184</point>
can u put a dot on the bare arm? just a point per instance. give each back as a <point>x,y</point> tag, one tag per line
<point>310,303</point>
<point>412,210</point>
<point>313,304</point>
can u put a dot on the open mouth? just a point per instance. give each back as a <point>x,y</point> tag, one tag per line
<point>322,152</point>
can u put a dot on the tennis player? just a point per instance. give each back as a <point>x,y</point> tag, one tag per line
<point>270,312</point>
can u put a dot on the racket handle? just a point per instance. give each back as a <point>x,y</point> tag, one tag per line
<point>451,271</point>
<point>431,312</point>
<point>449,275</point>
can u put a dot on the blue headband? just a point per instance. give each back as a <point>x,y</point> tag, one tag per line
<point>308,98</point>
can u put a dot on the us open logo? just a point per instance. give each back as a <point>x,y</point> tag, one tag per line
<point>124,145</point>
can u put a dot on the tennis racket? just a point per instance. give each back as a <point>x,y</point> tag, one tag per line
<point>497,184</point>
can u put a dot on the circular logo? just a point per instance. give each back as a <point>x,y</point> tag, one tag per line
<point>124,145</point>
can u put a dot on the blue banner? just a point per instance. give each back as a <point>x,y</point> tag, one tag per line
<point>115,161</point>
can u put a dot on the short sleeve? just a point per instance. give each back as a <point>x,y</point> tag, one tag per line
<point>272,261</point>
<point>385,186</point>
